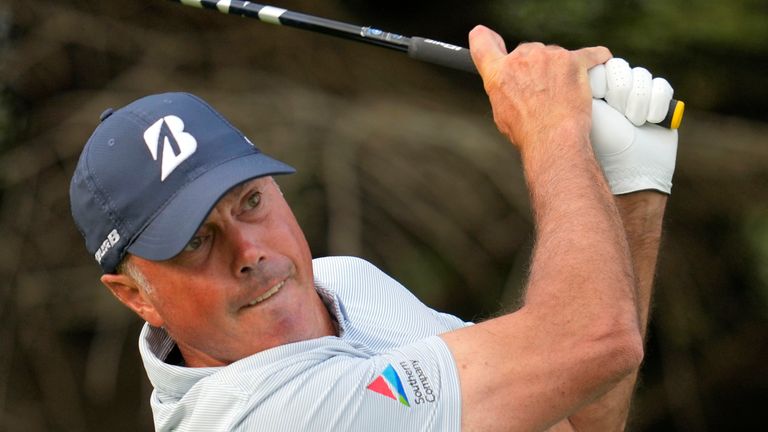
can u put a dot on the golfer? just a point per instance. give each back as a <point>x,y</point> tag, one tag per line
<point>245,331</point>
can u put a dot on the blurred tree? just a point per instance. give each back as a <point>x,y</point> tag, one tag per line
<point>713,51</point>
<point>756,233</point>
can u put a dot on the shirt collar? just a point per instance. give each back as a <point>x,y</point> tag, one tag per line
<point>334,306</point>
<point>155,344</point>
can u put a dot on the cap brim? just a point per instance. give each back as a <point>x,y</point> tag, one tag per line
<point>170,231</point>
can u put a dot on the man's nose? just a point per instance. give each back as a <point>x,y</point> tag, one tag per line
<point>248,250</point>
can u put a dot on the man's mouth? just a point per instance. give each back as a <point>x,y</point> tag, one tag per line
<point>272,291</point>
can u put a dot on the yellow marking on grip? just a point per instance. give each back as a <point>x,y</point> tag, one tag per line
<point>677,116</point>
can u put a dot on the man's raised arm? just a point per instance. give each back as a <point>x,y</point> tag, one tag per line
<point>578,333</point>
<point>638,162</point>
<point>642,213</point>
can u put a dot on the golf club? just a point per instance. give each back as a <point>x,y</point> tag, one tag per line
<point>419,48</point>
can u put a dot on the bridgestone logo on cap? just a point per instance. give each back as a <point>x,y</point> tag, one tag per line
<point>167,140</point>
<point>112,238</point>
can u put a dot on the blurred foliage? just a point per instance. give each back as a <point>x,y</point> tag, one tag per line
<point>6,118</point>
<point>714,52</point>
<point>643,26</point>
<point>756,233</point>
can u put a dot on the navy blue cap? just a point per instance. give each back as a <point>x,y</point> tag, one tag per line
<point>153,170</point>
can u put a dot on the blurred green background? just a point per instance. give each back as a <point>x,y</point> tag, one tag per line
<point>398,162</point>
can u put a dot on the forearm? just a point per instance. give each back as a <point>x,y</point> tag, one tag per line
<point>641,214</point>
<point>581,264</point>
<point>581,279</point>
<point>577,334</point>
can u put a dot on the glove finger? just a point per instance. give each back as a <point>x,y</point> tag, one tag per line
<point>618,76</point>
<point>661,95</point>
<point>639,98</point>
<point>597,81</point>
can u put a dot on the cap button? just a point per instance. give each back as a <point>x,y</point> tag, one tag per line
<point>107,112</point>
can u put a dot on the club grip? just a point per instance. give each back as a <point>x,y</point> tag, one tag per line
<point>441,53</point>
<point>456,57</point>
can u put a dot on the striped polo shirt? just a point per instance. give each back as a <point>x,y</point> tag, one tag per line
<point>387,371</point>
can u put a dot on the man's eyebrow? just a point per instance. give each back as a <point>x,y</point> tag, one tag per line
<point>239,189</point>
<point>236,192</point>
<point>242,189</point>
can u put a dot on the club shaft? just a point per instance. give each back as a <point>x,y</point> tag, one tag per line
<point>418,48</point>
<point>279,16</point>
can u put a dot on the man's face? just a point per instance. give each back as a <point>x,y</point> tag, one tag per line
<point>243,284</point>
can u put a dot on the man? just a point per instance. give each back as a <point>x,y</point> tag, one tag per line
<point>245,332</point>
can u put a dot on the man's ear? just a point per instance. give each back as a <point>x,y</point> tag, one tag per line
<point>130,294</point>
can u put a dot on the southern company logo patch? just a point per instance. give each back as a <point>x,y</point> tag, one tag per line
<point>388,384</point>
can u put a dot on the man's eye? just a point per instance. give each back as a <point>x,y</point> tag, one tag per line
<point>194,244</point>
<point>253,200</point>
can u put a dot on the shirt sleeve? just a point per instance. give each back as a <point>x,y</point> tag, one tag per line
<point>412,388</point>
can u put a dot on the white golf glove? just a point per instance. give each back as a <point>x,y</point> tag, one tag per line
<point>635,154</point>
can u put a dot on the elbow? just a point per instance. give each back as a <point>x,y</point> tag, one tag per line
<point>629,353</point>
<point>622,352</point>
<point>607,351</point>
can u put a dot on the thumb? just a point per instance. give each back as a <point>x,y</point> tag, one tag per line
<point>486,47</point>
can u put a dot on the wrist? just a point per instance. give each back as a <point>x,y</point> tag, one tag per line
<point>556,147</point>
<point>642,211</point>
<point>561,165</point>
<point>556,141</point>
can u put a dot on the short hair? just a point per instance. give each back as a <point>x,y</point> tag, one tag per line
<point>128,268</point>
